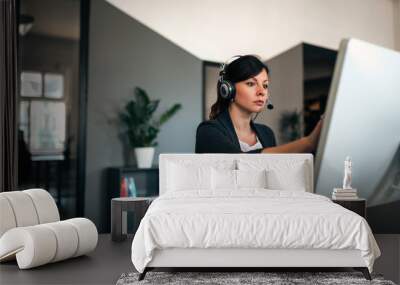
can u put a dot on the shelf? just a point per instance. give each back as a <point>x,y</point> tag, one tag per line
<point>315,97</point>
<point>318,80</point>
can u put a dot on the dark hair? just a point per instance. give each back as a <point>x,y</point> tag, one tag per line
<point>240,69</point>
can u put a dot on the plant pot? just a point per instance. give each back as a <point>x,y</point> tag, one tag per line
<point>144,156</point>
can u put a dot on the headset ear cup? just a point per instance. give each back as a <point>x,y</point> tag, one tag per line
<point>233,92</point>
<point>226,90</point>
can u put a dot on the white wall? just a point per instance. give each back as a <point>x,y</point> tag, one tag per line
<point>217,29</point>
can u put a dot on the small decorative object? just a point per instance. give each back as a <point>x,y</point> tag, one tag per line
<point>347,173</point>
<point>132,187</point>
<point>31,84</point>
<point>139,128</point>
<point>290,125</point>
<point>123,189</point>
<point>347,192</point>
<point>25,24</point>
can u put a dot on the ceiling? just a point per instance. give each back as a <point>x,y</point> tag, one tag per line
<point>60,18</point>
<point>215,30</point>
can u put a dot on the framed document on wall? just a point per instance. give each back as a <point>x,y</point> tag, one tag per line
<point>24,119</point>
<point>31,84</point>
<point>53,85</point>
<point>47,127</point>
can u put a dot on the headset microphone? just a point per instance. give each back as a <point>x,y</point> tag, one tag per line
<point>269,104</point>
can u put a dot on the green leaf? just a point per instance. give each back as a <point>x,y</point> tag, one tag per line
<point>141,97</point>
<point>152,107</point>
<point>169,113</point>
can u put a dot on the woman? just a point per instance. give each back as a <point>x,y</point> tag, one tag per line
<point>231,128</point>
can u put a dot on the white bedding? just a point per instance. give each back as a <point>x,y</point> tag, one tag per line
<point>251,218</point>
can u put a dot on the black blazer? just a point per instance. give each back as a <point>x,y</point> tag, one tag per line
<point>219,136</point>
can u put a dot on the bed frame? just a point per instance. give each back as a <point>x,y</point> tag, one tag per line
<point>241,259</point>
<point>244,259</point>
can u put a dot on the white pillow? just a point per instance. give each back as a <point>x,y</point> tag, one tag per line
<point>188,177</point>
<point>226,179</point>
<point>223,179</point>
<point>293,178</point>
<point>251,178</point>
<point>187,174</point>
<point>282,174</point>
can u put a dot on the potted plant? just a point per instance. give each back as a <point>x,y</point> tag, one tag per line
<point>140,128</point>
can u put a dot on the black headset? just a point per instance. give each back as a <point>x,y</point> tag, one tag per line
<point>226,89</point>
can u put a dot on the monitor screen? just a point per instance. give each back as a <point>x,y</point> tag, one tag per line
<point>362,120</point>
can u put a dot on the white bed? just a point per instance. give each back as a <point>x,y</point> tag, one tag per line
<point>193,225</point>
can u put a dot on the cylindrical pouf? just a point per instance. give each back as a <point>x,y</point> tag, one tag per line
<point>87,235</point>
<point>45,205</point>
<point>23,208</point>
<point>7,218</point>
<point>34,245</point>
<point>67,239</point>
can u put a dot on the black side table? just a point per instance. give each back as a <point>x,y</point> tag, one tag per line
<point>119,209</point>
<point>146,181</point>
<point>358,206</point>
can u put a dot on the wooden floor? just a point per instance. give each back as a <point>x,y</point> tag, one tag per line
<point>103,266</point>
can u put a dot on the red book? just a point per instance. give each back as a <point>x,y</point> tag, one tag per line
<point>123,190</point>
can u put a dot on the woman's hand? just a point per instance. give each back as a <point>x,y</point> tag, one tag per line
<point>313,137</point>
<point>304,145</point>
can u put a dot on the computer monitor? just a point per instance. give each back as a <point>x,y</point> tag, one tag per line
<point>362,120</point>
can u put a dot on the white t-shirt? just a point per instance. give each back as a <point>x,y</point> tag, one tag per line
<point>245,147</point>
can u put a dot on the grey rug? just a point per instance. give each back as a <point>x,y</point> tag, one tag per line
<point>226,278</point>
